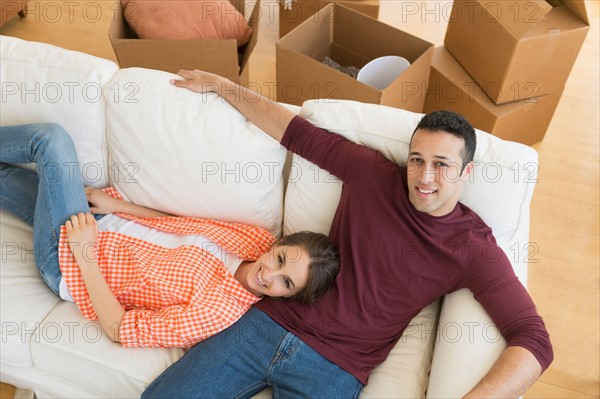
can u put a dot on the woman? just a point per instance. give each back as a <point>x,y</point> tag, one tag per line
<point>151,279</point>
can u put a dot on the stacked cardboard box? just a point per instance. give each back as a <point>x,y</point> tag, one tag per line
<point>451,88</point>
<point>351,39</point>
<point>218,56</point>
<point>505,63</point>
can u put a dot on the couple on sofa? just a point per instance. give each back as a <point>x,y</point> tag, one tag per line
<point>323,349</point>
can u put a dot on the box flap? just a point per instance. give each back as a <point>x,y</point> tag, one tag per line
<point>240,6</point>
<point>369,43</point>
<point>560,21</point>
<point>410,88</point>
<point>345,56</point>
<point>577,7</point>
<point>310,38</point>
<point>254,22</point>
<point>517,17</point>
<point>294,12</point>
<point>445,64</point>
<point>217,56</point>
<point>119,29</point>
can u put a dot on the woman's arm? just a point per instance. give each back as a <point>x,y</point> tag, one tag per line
<point>102,203</point>
<point>82,231</point>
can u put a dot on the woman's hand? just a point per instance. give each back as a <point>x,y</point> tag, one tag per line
<point>82,232</point>
<point>198,81</point>
<point>100,202</point>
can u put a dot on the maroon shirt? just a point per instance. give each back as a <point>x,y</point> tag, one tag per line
<point>395,261</point>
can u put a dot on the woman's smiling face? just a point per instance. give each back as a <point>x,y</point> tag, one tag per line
<point>283,271</point>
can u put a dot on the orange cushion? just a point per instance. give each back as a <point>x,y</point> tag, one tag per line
<point>186,19</point>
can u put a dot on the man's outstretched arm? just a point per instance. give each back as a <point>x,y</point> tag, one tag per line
<point>513,373</point>
<point>266,114</point>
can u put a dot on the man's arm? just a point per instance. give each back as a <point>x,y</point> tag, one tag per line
<point>529,351</point>
<point>339,156</point>
<point>266,114</point>
<point>513,373</point>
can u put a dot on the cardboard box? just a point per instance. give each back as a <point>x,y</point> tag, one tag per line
<point>452,89</point>
<point>293,12</point>
<point>517,49</point>
<point>218,56</point>
<point>351,39</point>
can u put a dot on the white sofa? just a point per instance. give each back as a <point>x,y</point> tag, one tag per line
<point>194,154</point>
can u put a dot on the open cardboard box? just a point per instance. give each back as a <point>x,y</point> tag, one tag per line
<point>517,49</point>
<point>351,39</point>
<point>293,12</point>
<point>218,56</point>
<point>452,89</point>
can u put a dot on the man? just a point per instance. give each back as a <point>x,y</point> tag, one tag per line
<point>329,348</point>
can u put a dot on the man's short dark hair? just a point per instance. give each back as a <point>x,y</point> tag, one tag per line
<point>452,123</point>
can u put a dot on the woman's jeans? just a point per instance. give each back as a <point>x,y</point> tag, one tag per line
<point>249,356</point>
<point>46,198</point>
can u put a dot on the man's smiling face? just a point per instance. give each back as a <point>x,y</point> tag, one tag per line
<point>435,171</point>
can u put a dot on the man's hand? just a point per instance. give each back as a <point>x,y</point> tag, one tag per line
<point>198,81</point>
<point>82,232</point>
<point>269,116</point>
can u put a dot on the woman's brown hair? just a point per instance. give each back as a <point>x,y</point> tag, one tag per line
<point>324,263</point>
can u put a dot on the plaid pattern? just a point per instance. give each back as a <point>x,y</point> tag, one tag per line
<point>173,297</point>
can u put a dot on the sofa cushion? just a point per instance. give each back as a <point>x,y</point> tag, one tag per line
<point>405,372</point>
<point>24,298</point>
<point>110,370</point>
<point>186,19</point>
<point>43,83</point>
<point>196,155</point>
<point>468,344</point>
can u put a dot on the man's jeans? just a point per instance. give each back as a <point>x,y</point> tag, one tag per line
<point>254,353</point>
<point>44,199</point>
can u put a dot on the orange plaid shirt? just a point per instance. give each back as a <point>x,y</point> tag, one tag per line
<point>173,297</point>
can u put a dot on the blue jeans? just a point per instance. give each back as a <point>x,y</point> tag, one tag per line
<point>252,354</point>
<point>46,198</point>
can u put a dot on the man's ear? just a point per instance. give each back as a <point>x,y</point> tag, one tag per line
<point>467,171</point>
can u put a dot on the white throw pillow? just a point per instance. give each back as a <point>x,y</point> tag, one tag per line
<point>43,83</point>
<point>191,154</point>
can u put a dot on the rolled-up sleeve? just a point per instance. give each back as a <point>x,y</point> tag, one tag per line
<point>177,326</point>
